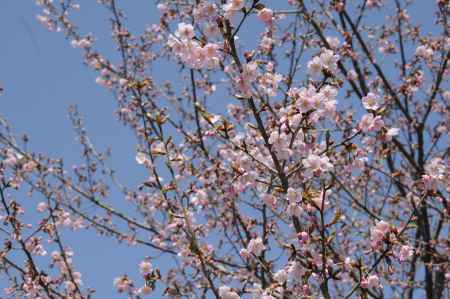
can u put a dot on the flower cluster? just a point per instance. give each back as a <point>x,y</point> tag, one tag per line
<point>191,52</point>
<point>325,62</point>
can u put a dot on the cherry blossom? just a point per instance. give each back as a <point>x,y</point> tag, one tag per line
<point>256,246</point>
<point>371,101</point>
<point>226,292</point>
<point>266,16</point>
<point>232,6</point>
<point>317,163</point>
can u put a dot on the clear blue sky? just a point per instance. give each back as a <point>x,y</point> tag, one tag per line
<point>42,75</point>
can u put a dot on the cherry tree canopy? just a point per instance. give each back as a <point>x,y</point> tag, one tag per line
<point>300,149</point>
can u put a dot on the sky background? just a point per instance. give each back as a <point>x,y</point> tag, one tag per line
<point>42,75</point>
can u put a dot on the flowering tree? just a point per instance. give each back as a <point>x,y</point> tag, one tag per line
<point>309,160</point>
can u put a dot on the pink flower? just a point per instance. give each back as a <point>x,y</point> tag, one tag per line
<point>266,16</point>
<point>329,60</point>
<point>424,52</point>
<point>268,83</point>
<point>269,200</point>
<point>77,224</point>
<point>256,246</point>
<point>145,267</point>
<point>162,8</point>
<point>266,43</point>
<point>81,43</point>
<point>205,11</point>
<point>70,286</point>
<point>47,22</point>
<point>141,158</point>
<point>371,282</point>
<point>435,168</point>
<point>378,233</point>
<point>29,166</point>
<point>225,292</point>
<point>371,101</point>
<point>326,61</point>
<point>211,50</point>
<point>391,133</point>
<point>41,207</point>
<point>333,42</point>
<point>352,75</point>
<point>366,122</point>
<point>404,253</point>
<point>185,31</point>
<point>369,123</point>
<point>200,198</point>
<point>232,6</point>
<point>280,276</point>
<point>435,171</point>
<point>316,163</point>
<point>244,253</point>
<point>303,237</point>
<point>383,226</point>
<point>386,47</point>
<point>211,55</point>
<point>446,95</point>
<point>315,66</point>
<point>35,247</point>
<point>250,71</point>
<point>122,283</point>
<point>211,30</point>
<point>11,159</point>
